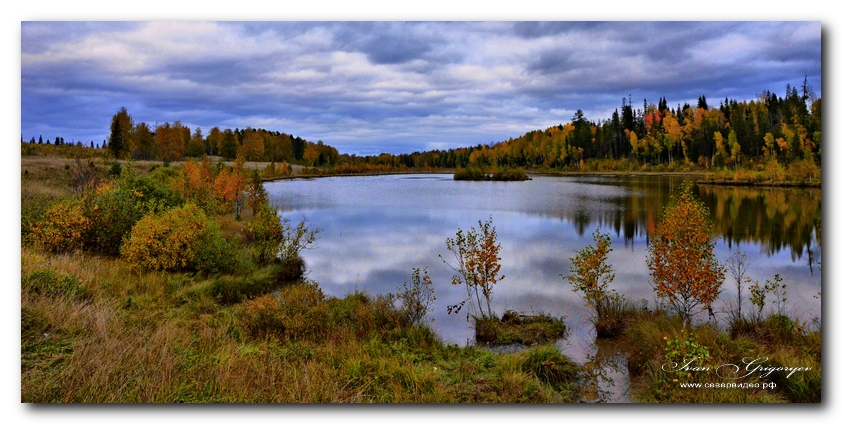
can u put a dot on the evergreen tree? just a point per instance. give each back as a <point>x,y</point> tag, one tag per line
<point>121,127</point>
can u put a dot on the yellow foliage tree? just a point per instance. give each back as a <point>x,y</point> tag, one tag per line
<point>684,269</point>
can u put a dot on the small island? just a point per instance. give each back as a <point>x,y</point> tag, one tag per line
<point>500,174</point>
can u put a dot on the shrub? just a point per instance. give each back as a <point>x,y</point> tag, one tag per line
<point>112,213</point>
<point>267,234</point>
<point>477,263</point>
<point>685,350</point>
<point>233,289</point>
<point>33,210</point>
<point>115,170</point>
<point>590,273</point>
<point>294,241</point>
<point>182,238</point>
<point>63,228</point>
<point>153,188</point>
<point>470,174</point>
<point>297,312</point>
<point>416,299</point>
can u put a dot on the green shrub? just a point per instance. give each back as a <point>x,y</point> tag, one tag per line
<point>267,234</point>
<point>416,298</point>
<point>685,349</point>
<point>182,238</point>
<point>468,174</point>
<point>154,187</point>
<point>112,212</point>
<point>115,170</point>
<point>33,210</point>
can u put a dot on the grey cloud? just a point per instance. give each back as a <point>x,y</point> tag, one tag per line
<point>397,87</point>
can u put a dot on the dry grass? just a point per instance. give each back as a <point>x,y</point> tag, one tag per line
<point>93,330</point>
<point>160,337</point>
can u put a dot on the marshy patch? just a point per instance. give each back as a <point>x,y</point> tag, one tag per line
<point>516,328</point>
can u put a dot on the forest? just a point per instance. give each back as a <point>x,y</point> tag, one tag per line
<point>778,136</point>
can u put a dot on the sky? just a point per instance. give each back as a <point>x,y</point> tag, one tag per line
<point>389,86</point>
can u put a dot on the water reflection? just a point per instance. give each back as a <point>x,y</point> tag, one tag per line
<point>775,218</point>
<point>376,229</point>
<point>605,376</point>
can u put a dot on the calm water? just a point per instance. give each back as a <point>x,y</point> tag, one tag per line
<point>376,229</point>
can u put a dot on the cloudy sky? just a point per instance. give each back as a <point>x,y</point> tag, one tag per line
<point>371,87</point>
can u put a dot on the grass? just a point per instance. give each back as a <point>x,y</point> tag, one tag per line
<point>174,341</point>
<point>513,328</point>
<point>646,341</point>
<point>96,330</point>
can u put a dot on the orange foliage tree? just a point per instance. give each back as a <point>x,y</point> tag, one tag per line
<point>684,269</point>
<point>477,263</point>
<point>196,180</point>
<point>229,186</point>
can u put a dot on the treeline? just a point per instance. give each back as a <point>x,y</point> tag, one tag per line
<point>175,142</point>
<point>784,129</point>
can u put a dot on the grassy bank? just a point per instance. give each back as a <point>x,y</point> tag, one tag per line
<point>221,313</point>
<point>802,173</point>
<point>95,331</point>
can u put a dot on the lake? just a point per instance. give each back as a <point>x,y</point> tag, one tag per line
<point>376,229</point>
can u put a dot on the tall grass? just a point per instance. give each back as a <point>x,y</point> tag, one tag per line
<point>169,337</point>
<point>785,343</point>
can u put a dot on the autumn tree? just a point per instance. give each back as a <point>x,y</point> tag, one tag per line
<point>169,140</point>
<point>253,146</point>
<point>721,155</point>
<point>267,233</point>
<point>255,192</point>
<point>734,146</point>
<point>477,265</point>
<point>144,142</point>
<point>684,270</point>
<point>591,274</point>
<point>229,188</point>
<point>214,140</point>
